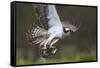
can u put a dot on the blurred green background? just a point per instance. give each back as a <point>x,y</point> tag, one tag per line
<point>79,46</point>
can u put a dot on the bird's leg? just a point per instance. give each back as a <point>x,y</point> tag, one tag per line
<point>53,42</point>
<point>51,45</point>
<point>46,43</point>
<point>42,43</point>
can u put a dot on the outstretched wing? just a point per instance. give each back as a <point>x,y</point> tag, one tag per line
<point>36,34</point>
<point>41,11</point>
<point>38,31</point>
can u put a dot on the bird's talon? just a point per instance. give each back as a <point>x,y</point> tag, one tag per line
<point>54,51</point>
<point>44,51</point>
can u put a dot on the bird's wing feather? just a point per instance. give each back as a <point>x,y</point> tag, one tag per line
<point>38,31</point>
<point>36,34</point>
<point>41,11</point>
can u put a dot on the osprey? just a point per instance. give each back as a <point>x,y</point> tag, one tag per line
<point>49,29</point>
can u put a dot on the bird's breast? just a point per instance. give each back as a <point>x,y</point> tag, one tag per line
<point>57,31</point>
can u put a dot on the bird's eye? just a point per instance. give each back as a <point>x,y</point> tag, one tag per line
<point>67,30</point>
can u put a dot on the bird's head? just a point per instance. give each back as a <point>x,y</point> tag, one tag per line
<point>71,25</point>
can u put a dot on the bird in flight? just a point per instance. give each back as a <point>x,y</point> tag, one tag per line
<point>49,29</point>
